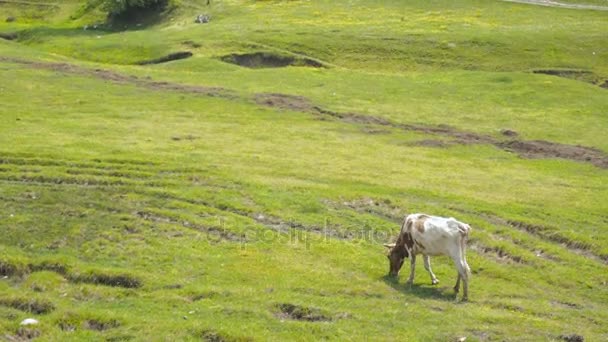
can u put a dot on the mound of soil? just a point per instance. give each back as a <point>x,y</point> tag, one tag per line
<point>269,60</point>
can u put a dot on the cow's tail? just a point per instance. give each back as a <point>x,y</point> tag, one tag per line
<point>464,230</point>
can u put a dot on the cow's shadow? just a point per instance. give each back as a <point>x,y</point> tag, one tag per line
<point>421,289</point>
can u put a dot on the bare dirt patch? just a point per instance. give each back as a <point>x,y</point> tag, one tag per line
<point>551,234</point>
<point>496,253</point>
<point>545,149</point>
<point>115,280</point>
<point>118,78</point>
<point>168,58</point>
<point>432,143</point>
<point>8,35</point>
<point>301,313</point>
<point>269,60</point>
<point>100,325</point>
<point>285,102</point>
<point>215,336</point>
<point>572,338</point>
<point>32,305</point>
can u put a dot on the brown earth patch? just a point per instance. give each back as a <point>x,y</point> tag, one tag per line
<point>257,60</point>
<point>100,325</point>
<point>551,234</point>
<point>301,313</point>
<point>497,253</point>
<point>168,58</point>
<point>572,337</point>
<point>431,143</point>
<point>32,305</point>
<point>528,149</point>
<point>285,102</point>
<point>100,278</point>
<point>215,336</point>
<point>8,35</point>
<point>546,149</point>
<point>118,78</point>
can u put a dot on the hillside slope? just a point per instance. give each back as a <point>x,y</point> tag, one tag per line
<point>243,192</point>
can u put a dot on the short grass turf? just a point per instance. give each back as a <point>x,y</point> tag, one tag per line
<point>168,202</point>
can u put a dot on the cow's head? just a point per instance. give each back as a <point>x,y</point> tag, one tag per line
<point>396,255</point>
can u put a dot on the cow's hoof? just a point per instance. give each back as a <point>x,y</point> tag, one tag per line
<point>435,281</point>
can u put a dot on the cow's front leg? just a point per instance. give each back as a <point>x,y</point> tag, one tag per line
<point>427,266</point>
<point>410,280</point>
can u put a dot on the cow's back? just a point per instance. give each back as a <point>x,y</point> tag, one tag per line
<point>434,235</point>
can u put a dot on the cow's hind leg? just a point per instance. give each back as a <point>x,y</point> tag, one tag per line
<point>463,274</point>
<point>427,266</point>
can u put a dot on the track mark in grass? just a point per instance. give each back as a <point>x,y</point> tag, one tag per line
<point>218,232</point>
<point>546,149</point>
<point>301,313</point>
<point>527,149</point>
<point>32,305</point>
<point>168,58</point>
<point>542,232</point>
<point>100,325</point>
<point>26,334</point>
<point>10,268</point>
<point>257,60</point>
<point>119,78</point>
<point>571,337</point>
<point>381,208</point>
<point>574,74</point>
<point>553,235</point>
<point>497,253</point>
<point>8,35</point>
<point>210,335</point>
<point>100,278</point>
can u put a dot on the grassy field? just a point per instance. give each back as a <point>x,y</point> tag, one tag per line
<point>203,200</point>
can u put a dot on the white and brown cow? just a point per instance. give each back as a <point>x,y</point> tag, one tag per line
<point>431,235</point>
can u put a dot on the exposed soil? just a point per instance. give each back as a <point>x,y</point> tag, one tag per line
<point>269,60</point>
<point>168,58</point>
<point>99,325</point>
<point>214,336</point>
<point>546,149</point>
<point>432,143</point>
<point>114,280</point>
<point>496,253</point>
<point>528,149</point>
<point>574,74</point>
<point>8,35</point>
<point>301,313</point>
<point>572,338</point>
<point>118,78</point>
<point>32,305</point>
<point>567,73</point>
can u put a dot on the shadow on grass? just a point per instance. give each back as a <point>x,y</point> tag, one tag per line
<point>422,291</point>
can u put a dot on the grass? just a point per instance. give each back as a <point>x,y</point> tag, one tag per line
<point>165,202</point>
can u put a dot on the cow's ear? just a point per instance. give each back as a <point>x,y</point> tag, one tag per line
<point>389,245</point>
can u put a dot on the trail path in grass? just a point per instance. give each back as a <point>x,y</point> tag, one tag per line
<point>550,3</point>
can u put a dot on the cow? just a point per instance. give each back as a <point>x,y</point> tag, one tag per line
<point>431,235</point>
